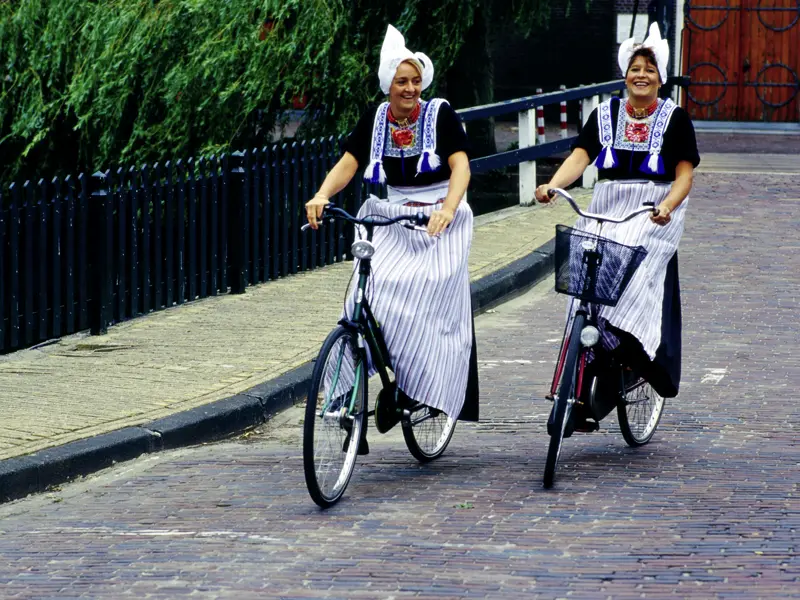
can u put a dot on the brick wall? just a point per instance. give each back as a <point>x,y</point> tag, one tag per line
<point>576,50</point>
<point>573,51</point>
<point>647,11</point>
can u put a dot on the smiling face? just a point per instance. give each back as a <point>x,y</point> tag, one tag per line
<point>405,90</point>
<point>642,80</point>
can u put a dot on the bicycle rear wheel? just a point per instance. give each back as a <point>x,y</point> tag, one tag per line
<point>427,433</point>
<point>639,413</point>
<point>562,409</point>
<point>334,418</point>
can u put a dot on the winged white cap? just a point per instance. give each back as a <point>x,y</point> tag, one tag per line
<point>394,52</point>
<point>654,42</point>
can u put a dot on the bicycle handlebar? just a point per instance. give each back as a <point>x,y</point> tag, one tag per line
<point>601,218</point>
<point>332,212</point>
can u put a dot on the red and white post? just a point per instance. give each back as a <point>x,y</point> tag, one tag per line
<point>564,133</point>
<point>540,121</point>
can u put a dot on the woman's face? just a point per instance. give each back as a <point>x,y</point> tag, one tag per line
<point>642,79</point>
<point>406,88</point>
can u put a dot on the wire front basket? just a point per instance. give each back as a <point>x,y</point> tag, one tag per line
<point>593,268</point>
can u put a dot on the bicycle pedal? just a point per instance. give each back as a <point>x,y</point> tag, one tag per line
<point>363,445</point>
<point>587,427</point>
<point>386,415</point>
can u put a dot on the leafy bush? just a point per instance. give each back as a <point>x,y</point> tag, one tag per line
<point>88,83</point>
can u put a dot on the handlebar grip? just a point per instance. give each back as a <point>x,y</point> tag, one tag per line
<point>422,218</point>
<point>321,221</point>
<point>652,205</point>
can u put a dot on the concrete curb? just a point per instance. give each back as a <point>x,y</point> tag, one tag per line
<point>41,470</point>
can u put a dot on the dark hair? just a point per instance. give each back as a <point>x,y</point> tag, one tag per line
<point>648,55</point>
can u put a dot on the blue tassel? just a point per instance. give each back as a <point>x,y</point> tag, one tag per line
<point>426,163</point>
<point>600,158</point>
<point>647,167</point>
<point>607,159</point>
<point>376,173</point>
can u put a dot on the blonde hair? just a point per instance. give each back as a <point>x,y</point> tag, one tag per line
<point>414,63</point>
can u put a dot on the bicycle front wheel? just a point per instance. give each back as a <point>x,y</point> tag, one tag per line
<point>562,409</point>
<point>334,418</point>
<point>427,433</point>
<point>639,413</point>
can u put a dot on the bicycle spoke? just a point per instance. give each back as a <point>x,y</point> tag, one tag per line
<point>428,432</point>
<point>640,413</point>
<point>334,419</point>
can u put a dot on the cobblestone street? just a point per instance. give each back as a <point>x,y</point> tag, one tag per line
<point>709,509</point>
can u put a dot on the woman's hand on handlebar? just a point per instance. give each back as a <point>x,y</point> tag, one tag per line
<point>661,215</point>
<point>439,220</point>
<point>543,193</point>
<point>314,208</point>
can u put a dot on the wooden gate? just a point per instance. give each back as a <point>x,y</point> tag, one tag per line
<point>743,59</point>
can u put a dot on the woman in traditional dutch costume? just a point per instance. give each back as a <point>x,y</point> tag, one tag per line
<point>645,151</point>
<point>420,283</point>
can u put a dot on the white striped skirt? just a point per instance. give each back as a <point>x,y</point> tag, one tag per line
<point>419,293</point>
<point>639,310</point>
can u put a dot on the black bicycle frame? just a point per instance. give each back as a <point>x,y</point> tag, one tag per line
<point>365,323</point>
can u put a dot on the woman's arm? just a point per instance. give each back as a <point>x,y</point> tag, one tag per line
<point>336,180</point>
<point>684,175</point>
<point>568,172</point>
<point>459,180</point>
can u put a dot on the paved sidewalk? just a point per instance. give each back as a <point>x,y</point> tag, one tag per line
<point>196,354</point>
<point>709,509</point>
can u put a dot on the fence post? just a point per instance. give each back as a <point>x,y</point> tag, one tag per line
<point>587,106</point>
<point>100,219</point>
<point>541,133</point>
<point>527,170</point>
<point>238,203</point>
<point>2,274</point>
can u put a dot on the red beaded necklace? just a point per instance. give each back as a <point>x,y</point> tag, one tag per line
<point>412,118</point>
<point>641,113</point>
<point>402,134</point>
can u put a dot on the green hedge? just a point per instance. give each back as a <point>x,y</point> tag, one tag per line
<point>91,83</point>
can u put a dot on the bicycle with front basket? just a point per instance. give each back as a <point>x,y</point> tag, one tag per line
<point>595,271</point>
<point>335,426</point>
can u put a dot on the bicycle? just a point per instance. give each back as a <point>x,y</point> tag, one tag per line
<point>335,427</point>
<point>595,271</point>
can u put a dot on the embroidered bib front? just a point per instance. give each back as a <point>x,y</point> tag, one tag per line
<point>389,139</point>
<point>639,135</point>
<point>406,141</point>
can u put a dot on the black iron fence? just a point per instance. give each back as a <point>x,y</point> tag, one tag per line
<point>89,251</point>
<point>86,252</point>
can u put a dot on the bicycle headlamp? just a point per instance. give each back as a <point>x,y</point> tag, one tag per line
<point>362,249</point>
<point>590,335</point>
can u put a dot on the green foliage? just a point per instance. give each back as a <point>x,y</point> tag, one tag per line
<point>91,83</point>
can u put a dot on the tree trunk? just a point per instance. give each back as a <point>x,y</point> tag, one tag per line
<point>470,82</point>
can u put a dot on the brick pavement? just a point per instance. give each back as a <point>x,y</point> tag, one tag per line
<point>709,509</point>
<point>188,356</point>
<point>749,143</point>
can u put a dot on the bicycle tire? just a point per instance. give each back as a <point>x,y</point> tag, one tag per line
<point>428,435</point>
<point>331,431</point>
<point>562,409</point>
<point>639,413</point>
